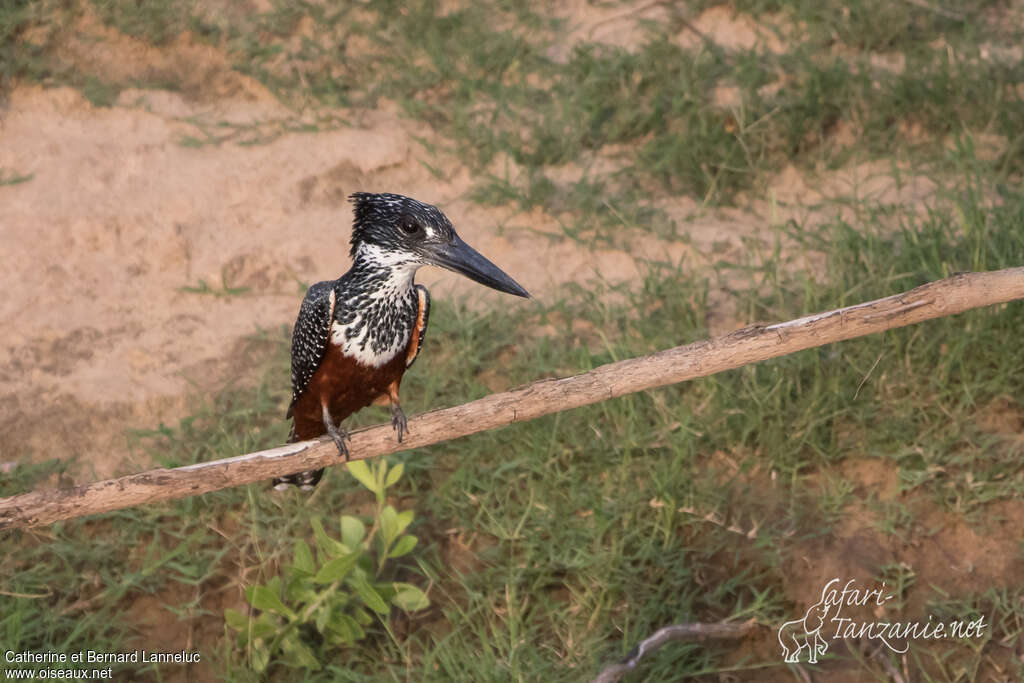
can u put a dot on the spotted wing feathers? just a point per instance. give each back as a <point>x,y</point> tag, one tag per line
<point>310,336</point>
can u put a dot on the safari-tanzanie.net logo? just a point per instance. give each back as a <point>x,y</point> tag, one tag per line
<point>835,616</point>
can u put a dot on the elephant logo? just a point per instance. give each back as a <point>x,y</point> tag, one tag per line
<point>805,632</point>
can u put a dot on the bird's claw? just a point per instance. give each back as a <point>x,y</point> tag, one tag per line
<point>398,421</point>
<point>339,436</point>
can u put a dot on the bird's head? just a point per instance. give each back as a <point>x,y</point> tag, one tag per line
<point>394,230</point>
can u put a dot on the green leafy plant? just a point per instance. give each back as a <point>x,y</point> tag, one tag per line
<point>326,600</point>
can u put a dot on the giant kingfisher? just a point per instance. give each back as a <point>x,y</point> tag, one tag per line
<point>356,336</point>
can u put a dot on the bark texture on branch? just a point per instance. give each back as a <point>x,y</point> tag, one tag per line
<point>945,297</point>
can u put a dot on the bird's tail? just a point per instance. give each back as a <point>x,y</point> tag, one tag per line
<point>304,480</point>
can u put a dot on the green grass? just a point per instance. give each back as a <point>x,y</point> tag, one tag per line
<point>14,178</point>
<point>224,291</point>
<point>27,59</point>
<point>157,23</point>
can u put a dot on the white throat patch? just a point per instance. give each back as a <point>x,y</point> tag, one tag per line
<point>384,312</point>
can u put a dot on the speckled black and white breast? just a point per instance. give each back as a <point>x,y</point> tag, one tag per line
<point>375,312</point>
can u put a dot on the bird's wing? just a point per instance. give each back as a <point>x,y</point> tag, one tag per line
<point>419,331</point>
<point>310,336</point>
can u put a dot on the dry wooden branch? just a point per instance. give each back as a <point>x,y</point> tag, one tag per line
<point>682,632</point>
<point>748,345</point>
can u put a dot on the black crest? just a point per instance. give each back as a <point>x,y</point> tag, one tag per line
<point>396,222</point>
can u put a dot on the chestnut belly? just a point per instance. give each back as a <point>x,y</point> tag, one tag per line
<point>345,386</point>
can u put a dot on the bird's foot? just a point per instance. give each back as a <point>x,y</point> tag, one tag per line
<point>337,433</point>
<point>398,421</point>
<point>340,436</point>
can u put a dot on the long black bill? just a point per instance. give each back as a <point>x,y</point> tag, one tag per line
<point>464,259</point>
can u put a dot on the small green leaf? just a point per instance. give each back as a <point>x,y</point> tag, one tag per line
<point>346,627</point>
<point>359,470</point>
<point>394,475</point>
<point>339,636</point>
<point>410,598</point>
<point>303,557</point>
<point>388,524</point>
<point>404,545</point>
<point>300,590</point>
<point>265,626</point>
<point>404,520</point>
<point>353,531</point>
<point>354,625</point>
<point>328,546</point>
<point>260,655</point>
<point>297,653</point>
<point>386,590</point>
<point>322,615</point>
<point>369,596</point>
<point>236,620</point>
<point>261,597</point>
<point>336,569</point>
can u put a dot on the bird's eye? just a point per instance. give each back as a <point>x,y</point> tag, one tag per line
<point>410,227</point>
